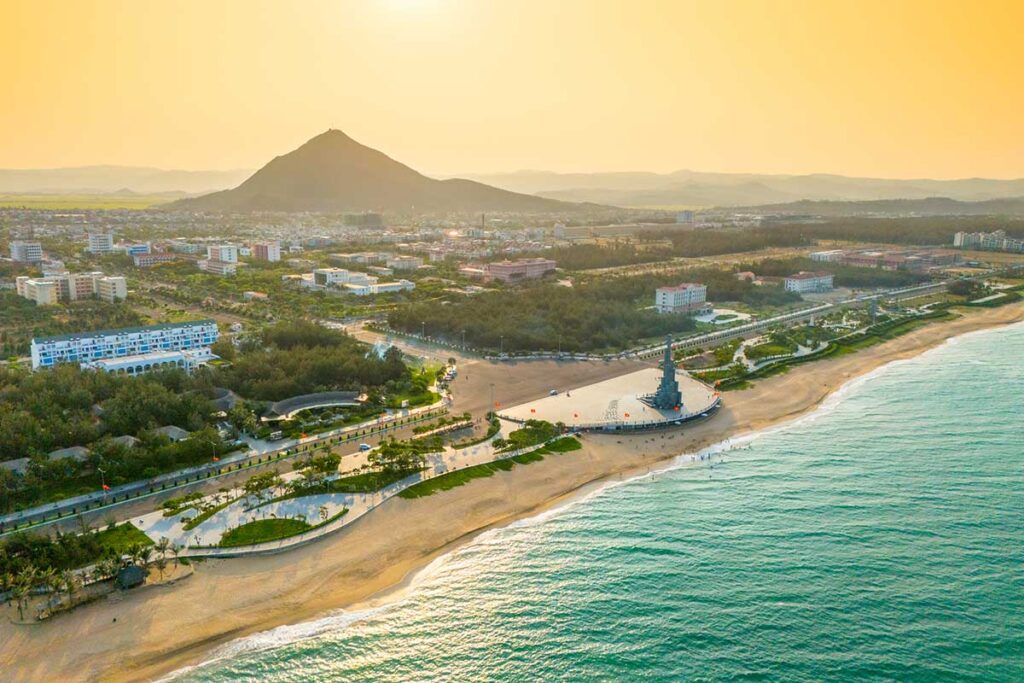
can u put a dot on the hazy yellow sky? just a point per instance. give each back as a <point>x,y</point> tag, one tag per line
<point>890,88</point>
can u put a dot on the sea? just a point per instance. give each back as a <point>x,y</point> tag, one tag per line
<point>880,538</point>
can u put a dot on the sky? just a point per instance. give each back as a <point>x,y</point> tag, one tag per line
<point>893,88</point>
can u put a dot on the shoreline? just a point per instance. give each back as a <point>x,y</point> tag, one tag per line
<point>378,559</point>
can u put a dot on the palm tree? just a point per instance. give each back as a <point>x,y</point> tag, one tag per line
<point>174,550</point>
<point>71,582</point>
<point>23,588</point>
<point>163,545</point>
<point>51,582</point>
<point>161,565</point>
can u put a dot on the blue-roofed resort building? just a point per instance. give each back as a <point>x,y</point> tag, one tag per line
<point>131,350</point>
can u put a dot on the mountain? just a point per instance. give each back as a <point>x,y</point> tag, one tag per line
<point>107,179</point>
<point>333,172</point>
<point>695,188</point>
<point>932,206</point>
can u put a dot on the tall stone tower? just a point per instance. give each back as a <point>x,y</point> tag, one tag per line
<point>668,396</point>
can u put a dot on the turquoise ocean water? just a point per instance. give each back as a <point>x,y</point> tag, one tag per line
<point>881,538</point>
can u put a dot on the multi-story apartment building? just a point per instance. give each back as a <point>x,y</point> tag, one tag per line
<point>522,269</point>
<point>217,267</point>
<point>132,350</point>
<point>41,291</point>
<point>228,253</point>
<point>26,252</point>
<point>267,251</point>
<point>52,289</point>
<point>148,260</point>
<point>805,281</point>
<point>112,288</point>
<point>684,298</point>
<point>989,241</point>
<point>100,243</point>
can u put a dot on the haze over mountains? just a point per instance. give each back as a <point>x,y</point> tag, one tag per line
<point>698,189</point>
<point>114,179</point>
<point>333,172</point>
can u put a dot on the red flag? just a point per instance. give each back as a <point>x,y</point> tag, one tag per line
<point>216,459</point>
<point>105,487</point>
<point>627,414</point>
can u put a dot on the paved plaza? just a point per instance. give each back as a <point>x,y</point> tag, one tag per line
<point>615,403</point>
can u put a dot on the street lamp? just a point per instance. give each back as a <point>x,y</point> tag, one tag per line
<point>463,340</point>
<point>423,329</point>
<point>501,348</point>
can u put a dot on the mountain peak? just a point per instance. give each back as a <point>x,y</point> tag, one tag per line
<point>333,172</point>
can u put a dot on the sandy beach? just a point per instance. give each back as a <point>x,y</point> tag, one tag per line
<point>153,631</point>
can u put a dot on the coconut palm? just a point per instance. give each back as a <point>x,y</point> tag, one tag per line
<point>174,550</point>
<point>161,565</point>
<point>163,545</point>
<point>23,588</point>
<point>70,582</point>
<point>50,580</point>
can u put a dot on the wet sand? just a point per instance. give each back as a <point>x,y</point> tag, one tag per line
<point>163,629</point>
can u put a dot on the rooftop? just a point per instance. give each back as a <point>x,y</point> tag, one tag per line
<point>808,275</point>
<point>123,330</point>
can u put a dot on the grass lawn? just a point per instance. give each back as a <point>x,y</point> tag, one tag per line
<point>206,514</point>
<point>460,477</point>
<point>263,530</point>
<point>122,537</point>
<point>357,483</point>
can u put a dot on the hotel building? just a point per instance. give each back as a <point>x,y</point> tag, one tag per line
<point>684,298</point>
<point>804,282</point>
<point>132,350</point>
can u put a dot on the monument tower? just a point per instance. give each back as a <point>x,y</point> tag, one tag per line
<point>668,396</point>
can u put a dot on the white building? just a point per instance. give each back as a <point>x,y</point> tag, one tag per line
<point>26,252</point>
<point>830,256</point>
<point>215,267</point>
<point>112,288</point>
<point>327,277</point>
<point>57,287</point>
<point>684,298</point>
<point>991,241</point>
<point>267,251</point>
<point>41,291</point>
<point>100,243</point>
<point>130,350</point>
<point>404,262</point>
<point>370,289</point>
<point>805,281</point>
<point>228,253</point>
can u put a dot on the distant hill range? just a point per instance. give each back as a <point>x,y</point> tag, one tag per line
<point>698,189</point>
<point>333,172</point>
<point>932,206</point>
<point>116,180</point>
